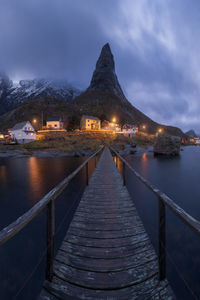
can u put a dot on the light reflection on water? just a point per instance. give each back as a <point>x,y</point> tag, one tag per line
<point>178,177</point>
<point>24,181</point>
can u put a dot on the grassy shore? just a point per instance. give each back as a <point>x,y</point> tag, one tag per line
<point>66,142</point>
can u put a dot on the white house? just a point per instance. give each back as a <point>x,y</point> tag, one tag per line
<point>23,132</point>
<point>129,130</point>
<point>54,123</point>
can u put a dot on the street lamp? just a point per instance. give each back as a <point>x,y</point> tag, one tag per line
<point>160,130</point>
<point>144,127</point>
<point>114,120</point>
<point>34,121</point>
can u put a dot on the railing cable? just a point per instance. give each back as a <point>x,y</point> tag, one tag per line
<point>29,277</point>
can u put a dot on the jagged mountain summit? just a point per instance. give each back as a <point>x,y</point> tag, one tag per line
<point>13,95</point>
<point>104,98</point>
<point>191,133</point>
<point>104,76</point>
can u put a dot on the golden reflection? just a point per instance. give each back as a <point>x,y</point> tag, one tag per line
<point>35,180</point>
<point>144,164</point>
<point>144,157</point>
<point>3,175</point>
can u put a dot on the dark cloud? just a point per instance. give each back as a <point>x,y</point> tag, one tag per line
<point>155,43</point>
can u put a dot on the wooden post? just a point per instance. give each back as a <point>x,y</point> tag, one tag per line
<point>124,175</point>
<point>50,240</point>
<point>86,173</point>
<point>116,161</point>
<point>95,162</point>
<point>161,240</point>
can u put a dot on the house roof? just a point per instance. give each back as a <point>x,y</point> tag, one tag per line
<point>128,126</point>
<point>20,125</point>
<point>90,117</point>
<point>55,118</point>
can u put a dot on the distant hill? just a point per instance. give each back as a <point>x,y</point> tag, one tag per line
<point>104,98</point>
<point>191,133</point>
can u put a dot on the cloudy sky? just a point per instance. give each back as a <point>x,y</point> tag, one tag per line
<point>156,45</point>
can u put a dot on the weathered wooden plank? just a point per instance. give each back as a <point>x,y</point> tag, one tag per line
<point>109,280</point>
<point>107,265</point>
<point>104,227</point>
<point>102,243</point>
<point>100,234</point>
<point>63,289</point>
<point>115,221</point>
<point>109,252</point>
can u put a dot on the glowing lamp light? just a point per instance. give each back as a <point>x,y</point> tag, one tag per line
<point>34,121</point>
<point>114,120</point>
<point>144,126</point>
<point>160,130</point>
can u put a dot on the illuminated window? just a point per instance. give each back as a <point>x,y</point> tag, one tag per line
<point>31,134</point>
<point>30,128</point>
<point>19,134</point>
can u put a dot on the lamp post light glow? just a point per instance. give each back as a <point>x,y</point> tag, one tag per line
<point>160,130</point>
<point>114,120</point>
<point>34,121</point>
<point>144,127</point>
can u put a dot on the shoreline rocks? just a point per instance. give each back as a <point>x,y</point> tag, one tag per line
<point>167,145</point>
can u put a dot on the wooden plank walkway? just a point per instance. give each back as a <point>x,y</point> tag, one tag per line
<point>106,253</point>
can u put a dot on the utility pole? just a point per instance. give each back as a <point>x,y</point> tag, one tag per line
<point>42,120</point>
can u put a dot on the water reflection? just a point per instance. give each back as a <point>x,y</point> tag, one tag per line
<point>3,176</point>
<point>23,182</point>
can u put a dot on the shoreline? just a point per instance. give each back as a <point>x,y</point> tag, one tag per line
<point>15,153</point>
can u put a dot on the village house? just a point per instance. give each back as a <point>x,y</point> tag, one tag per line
<point>129,130</point>
<point>197,140</point>
<point>106,125</point>
<point>90,123</point>
<point>54,123</point>
<point>23,133</point>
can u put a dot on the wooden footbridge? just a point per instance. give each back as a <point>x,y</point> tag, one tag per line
<point>106,253</point>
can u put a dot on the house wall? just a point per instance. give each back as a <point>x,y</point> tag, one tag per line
<point>54,124</point>
<point>89,124</point>
<point>22,136</point>
<point>130,132</point>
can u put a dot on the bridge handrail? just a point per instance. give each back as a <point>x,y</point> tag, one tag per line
<point>163,201</point>
<point>13,228</point>
<point>176,209</point>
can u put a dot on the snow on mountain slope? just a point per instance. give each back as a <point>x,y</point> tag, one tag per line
<point>12,94</point>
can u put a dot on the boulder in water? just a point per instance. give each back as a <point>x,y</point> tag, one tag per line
<point>167,145</point>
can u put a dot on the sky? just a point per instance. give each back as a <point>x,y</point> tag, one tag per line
<point>156,46</point>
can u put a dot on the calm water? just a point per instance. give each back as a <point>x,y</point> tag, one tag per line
<point>24,181</point>
<point>179,178</point>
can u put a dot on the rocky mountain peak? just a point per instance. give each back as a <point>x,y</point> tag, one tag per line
<point>104,76</point>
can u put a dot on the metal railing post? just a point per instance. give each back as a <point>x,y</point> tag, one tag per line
<point>124,174</point>
<point>50,239</point>
<point>86,173</point>
<point>161,240</point>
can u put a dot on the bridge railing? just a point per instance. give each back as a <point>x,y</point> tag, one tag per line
<point>47,201</point>
<point>163,201</point>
